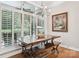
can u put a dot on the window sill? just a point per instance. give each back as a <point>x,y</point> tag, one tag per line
<point>6,50</point>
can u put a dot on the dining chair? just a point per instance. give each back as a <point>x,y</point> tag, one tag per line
<point>55,47</point>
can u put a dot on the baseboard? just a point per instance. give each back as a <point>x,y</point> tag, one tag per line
<point>65,46</point>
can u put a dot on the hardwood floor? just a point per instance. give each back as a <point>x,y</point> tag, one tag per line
<point>63,53</point>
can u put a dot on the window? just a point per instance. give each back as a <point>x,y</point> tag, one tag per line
<point>33,25</point>
<point>30,27</point>
<point>14,26</point>
<point>27,25</point>
<point>7,27</point>
<point>40,12</point>
<point>17,26</point>
<point>40,25</point>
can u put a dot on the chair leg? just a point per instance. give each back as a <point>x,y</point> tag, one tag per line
<point>55,50</point>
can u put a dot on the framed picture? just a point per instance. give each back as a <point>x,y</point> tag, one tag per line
<point>60,22</point>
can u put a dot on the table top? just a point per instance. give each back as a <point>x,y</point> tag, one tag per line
<point>46,38</point>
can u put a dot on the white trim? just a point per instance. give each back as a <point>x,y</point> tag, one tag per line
<point>0,25</point>
<point>65,46</point>
<point>36,25</point>
<point>22,26</point>
<point>30,25</point>
<point>12,28</point>
<point>45,24</point>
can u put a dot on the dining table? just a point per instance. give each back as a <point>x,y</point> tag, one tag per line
<point>44,40</point>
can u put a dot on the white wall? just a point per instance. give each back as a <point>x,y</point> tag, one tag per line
<point>69,39</point>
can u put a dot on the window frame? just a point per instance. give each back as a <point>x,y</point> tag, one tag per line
<point>13,10</point>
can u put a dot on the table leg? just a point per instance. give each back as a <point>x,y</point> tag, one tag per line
<point>31,54</point>
<point>52,41</point>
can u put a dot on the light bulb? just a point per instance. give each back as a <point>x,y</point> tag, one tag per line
<point>45,7</point>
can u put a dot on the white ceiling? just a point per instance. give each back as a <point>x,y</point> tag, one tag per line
<point>12,3</point>
<point>49,4</point>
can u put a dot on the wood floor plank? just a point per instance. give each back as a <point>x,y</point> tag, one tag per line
<point>63,53</point>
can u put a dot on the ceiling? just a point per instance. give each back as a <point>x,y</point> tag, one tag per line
<point>42,4</point>
<point>49,4</point>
